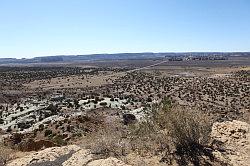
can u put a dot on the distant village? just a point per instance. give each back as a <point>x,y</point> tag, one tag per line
<point>197,57</point>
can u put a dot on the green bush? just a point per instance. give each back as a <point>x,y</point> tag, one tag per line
<point>47,132</point>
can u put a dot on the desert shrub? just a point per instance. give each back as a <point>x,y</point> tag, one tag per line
<point>47,132</point>
<point>21,109</point>
<point>123,107</point>
<point>169,127</point>
<point>1,121</point>
<point>53,108</point>
<point>103,103</point>
<point>184,125</point>
<point>146,138</point>
<point>58,139</point>
<point>149,99</point>
<point>41,127</point>
<point>187,129</point>
<point>9,129</point>
<point>190,133</point>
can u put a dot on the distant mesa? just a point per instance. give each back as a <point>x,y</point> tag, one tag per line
<point>52,59</point>
<point>128,56</point>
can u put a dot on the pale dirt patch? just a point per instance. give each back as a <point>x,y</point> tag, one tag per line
<point>74,81</point>
<point>136,160</point>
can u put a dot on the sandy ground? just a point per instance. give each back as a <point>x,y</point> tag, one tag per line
<point>73,81</point>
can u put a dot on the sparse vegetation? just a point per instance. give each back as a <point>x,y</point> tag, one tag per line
<point>108,142</point>
<point>167,128</point>
<point>165,112</point>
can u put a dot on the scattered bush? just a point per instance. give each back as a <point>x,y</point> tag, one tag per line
<point>1,121</point>
<point>103,103</point>
<point>47,133</point>
<point>58,139</point>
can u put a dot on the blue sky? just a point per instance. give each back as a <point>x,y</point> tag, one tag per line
<point>30,28</point>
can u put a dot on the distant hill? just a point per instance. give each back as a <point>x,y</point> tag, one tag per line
<point>119,56</point>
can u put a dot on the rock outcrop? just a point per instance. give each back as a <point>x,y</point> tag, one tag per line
<point>71,155</point>
<point>234,137</point>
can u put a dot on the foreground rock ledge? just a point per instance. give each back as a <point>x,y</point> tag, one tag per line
<point>235,137</point>
<point>71,155</point>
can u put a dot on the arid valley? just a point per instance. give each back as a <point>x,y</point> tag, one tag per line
<point>121,111</point>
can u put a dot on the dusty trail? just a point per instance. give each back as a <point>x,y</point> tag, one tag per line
<point>133,70</point>
<point>146,67</point>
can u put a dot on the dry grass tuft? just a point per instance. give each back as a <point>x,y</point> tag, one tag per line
<point>107,142</point>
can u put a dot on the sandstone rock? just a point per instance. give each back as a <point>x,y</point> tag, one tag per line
<point>53,155</point>
<point>235,137</point>
<point>80,158</point>
<point>71,155</point>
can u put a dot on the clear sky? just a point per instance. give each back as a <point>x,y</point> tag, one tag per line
<point>30,28</point>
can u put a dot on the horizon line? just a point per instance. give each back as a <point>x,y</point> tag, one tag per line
<point>179,52</point>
